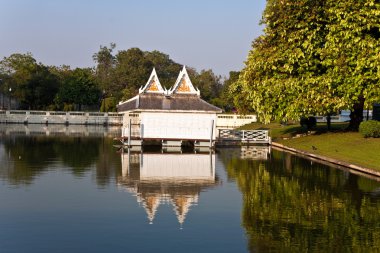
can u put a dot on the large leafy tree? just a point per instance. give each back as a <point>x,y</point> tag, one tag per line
<point>31,83</point>
<point>351,54</point>
<point>209,84</point>
<point>295,68</point>
<point>225,96</point>
<point>78,88</point>
<point>166,68</point>
<point>105,61</point>
<point>131,71</point>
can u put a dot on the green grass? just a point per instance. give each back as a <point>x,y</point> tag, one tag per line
<point>338,144</point>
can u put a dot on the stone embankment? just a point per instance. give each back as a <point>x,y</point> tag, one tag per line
<point>351,167</point>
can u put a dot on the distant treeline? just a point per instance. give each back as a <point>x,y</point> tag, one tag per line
<point>116,77</point>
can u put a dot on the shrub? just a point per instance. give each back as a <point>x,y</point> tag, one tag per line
<point>370,128</point>
<point>309,122</point>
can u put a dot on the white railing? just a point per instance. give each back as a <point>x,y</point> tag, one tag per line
<point>234,120</point>
<point>59,117</point>
<point>254,136</point>
<point>59,130</point>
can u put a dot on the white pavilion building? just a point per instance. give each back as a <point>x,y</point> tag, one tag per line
<point>171,116</point>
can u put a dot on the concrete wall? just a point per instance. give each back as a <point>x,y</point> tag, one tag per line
<point>65,118</point>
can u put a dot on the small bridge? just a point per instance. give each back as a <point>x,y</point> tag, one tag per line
<point>242,137</point>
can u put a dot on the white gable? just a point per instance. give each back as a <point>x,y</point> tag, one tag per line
<point>183,84</point>
<point>153,85</point>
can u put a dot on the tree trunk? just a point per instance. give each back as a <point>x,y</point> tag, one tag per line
<point>356,115</point>
<point>367,114</point>
<point>328,122</point>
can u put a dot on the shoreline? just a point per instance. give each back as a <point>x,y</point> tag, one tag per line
<point>340,163</point>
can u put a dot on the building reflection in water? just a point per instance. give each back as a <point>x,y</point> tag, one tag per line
<point>167,178</point>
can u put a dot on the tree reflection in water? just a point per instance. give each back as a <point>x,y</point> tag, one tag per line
<point>294,205</point>
<point>26,157</point>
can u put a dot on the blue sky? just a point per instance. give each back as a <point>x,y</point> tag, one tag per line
<point>204,34</point>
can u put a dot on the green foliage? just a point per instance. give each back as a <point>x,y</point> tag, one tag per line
<point>370,128</point>
<point>32,84</point>
<point>105,63</point>
<point>228,100</point>
<point>207,82</point>
<point>167,70</point>
<point>108,105</point>
<point>116,76</point>
<point>121,75</point>
<point>78,88</point>
<point>68,107</point>
<point>315,57</point>
<point>129,70</point>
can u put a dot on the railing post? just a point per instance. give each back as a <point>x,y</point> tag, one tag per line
<point>211,132</point>
<point>129,132</point>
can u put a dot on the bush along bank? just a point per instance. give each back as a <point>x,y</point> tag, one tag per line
<point>370,128</point>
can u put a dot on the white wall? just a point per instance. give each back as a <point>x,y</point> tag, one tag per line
<point>160,125</point>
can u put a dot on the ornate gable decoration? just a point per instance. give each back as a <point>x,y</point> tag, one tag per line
<point>183,84</point>
<point>153,85</point>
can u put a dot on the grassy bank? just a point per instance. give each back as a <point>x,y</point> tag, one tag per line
<point>345,146</point>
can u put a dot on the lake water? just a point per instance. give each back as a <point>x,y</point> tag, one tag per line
<point>67,191</point>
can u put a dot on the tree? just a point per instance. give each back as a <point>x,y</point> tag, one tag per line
<point>226,97</point>
<point>297,67</point>
<point>284,61</point>
<point>208,83</point>
<point>351,53</point>
<point>41,89</point>
<point>79,88</point>
<point>105,65</point>
<point>33,85</point>
<point>134,66</point>
<point>166,68</point>
<point>132,70</point>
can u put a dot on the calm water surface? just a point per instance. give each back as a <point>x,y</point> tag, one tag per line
<point>64,193</point>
